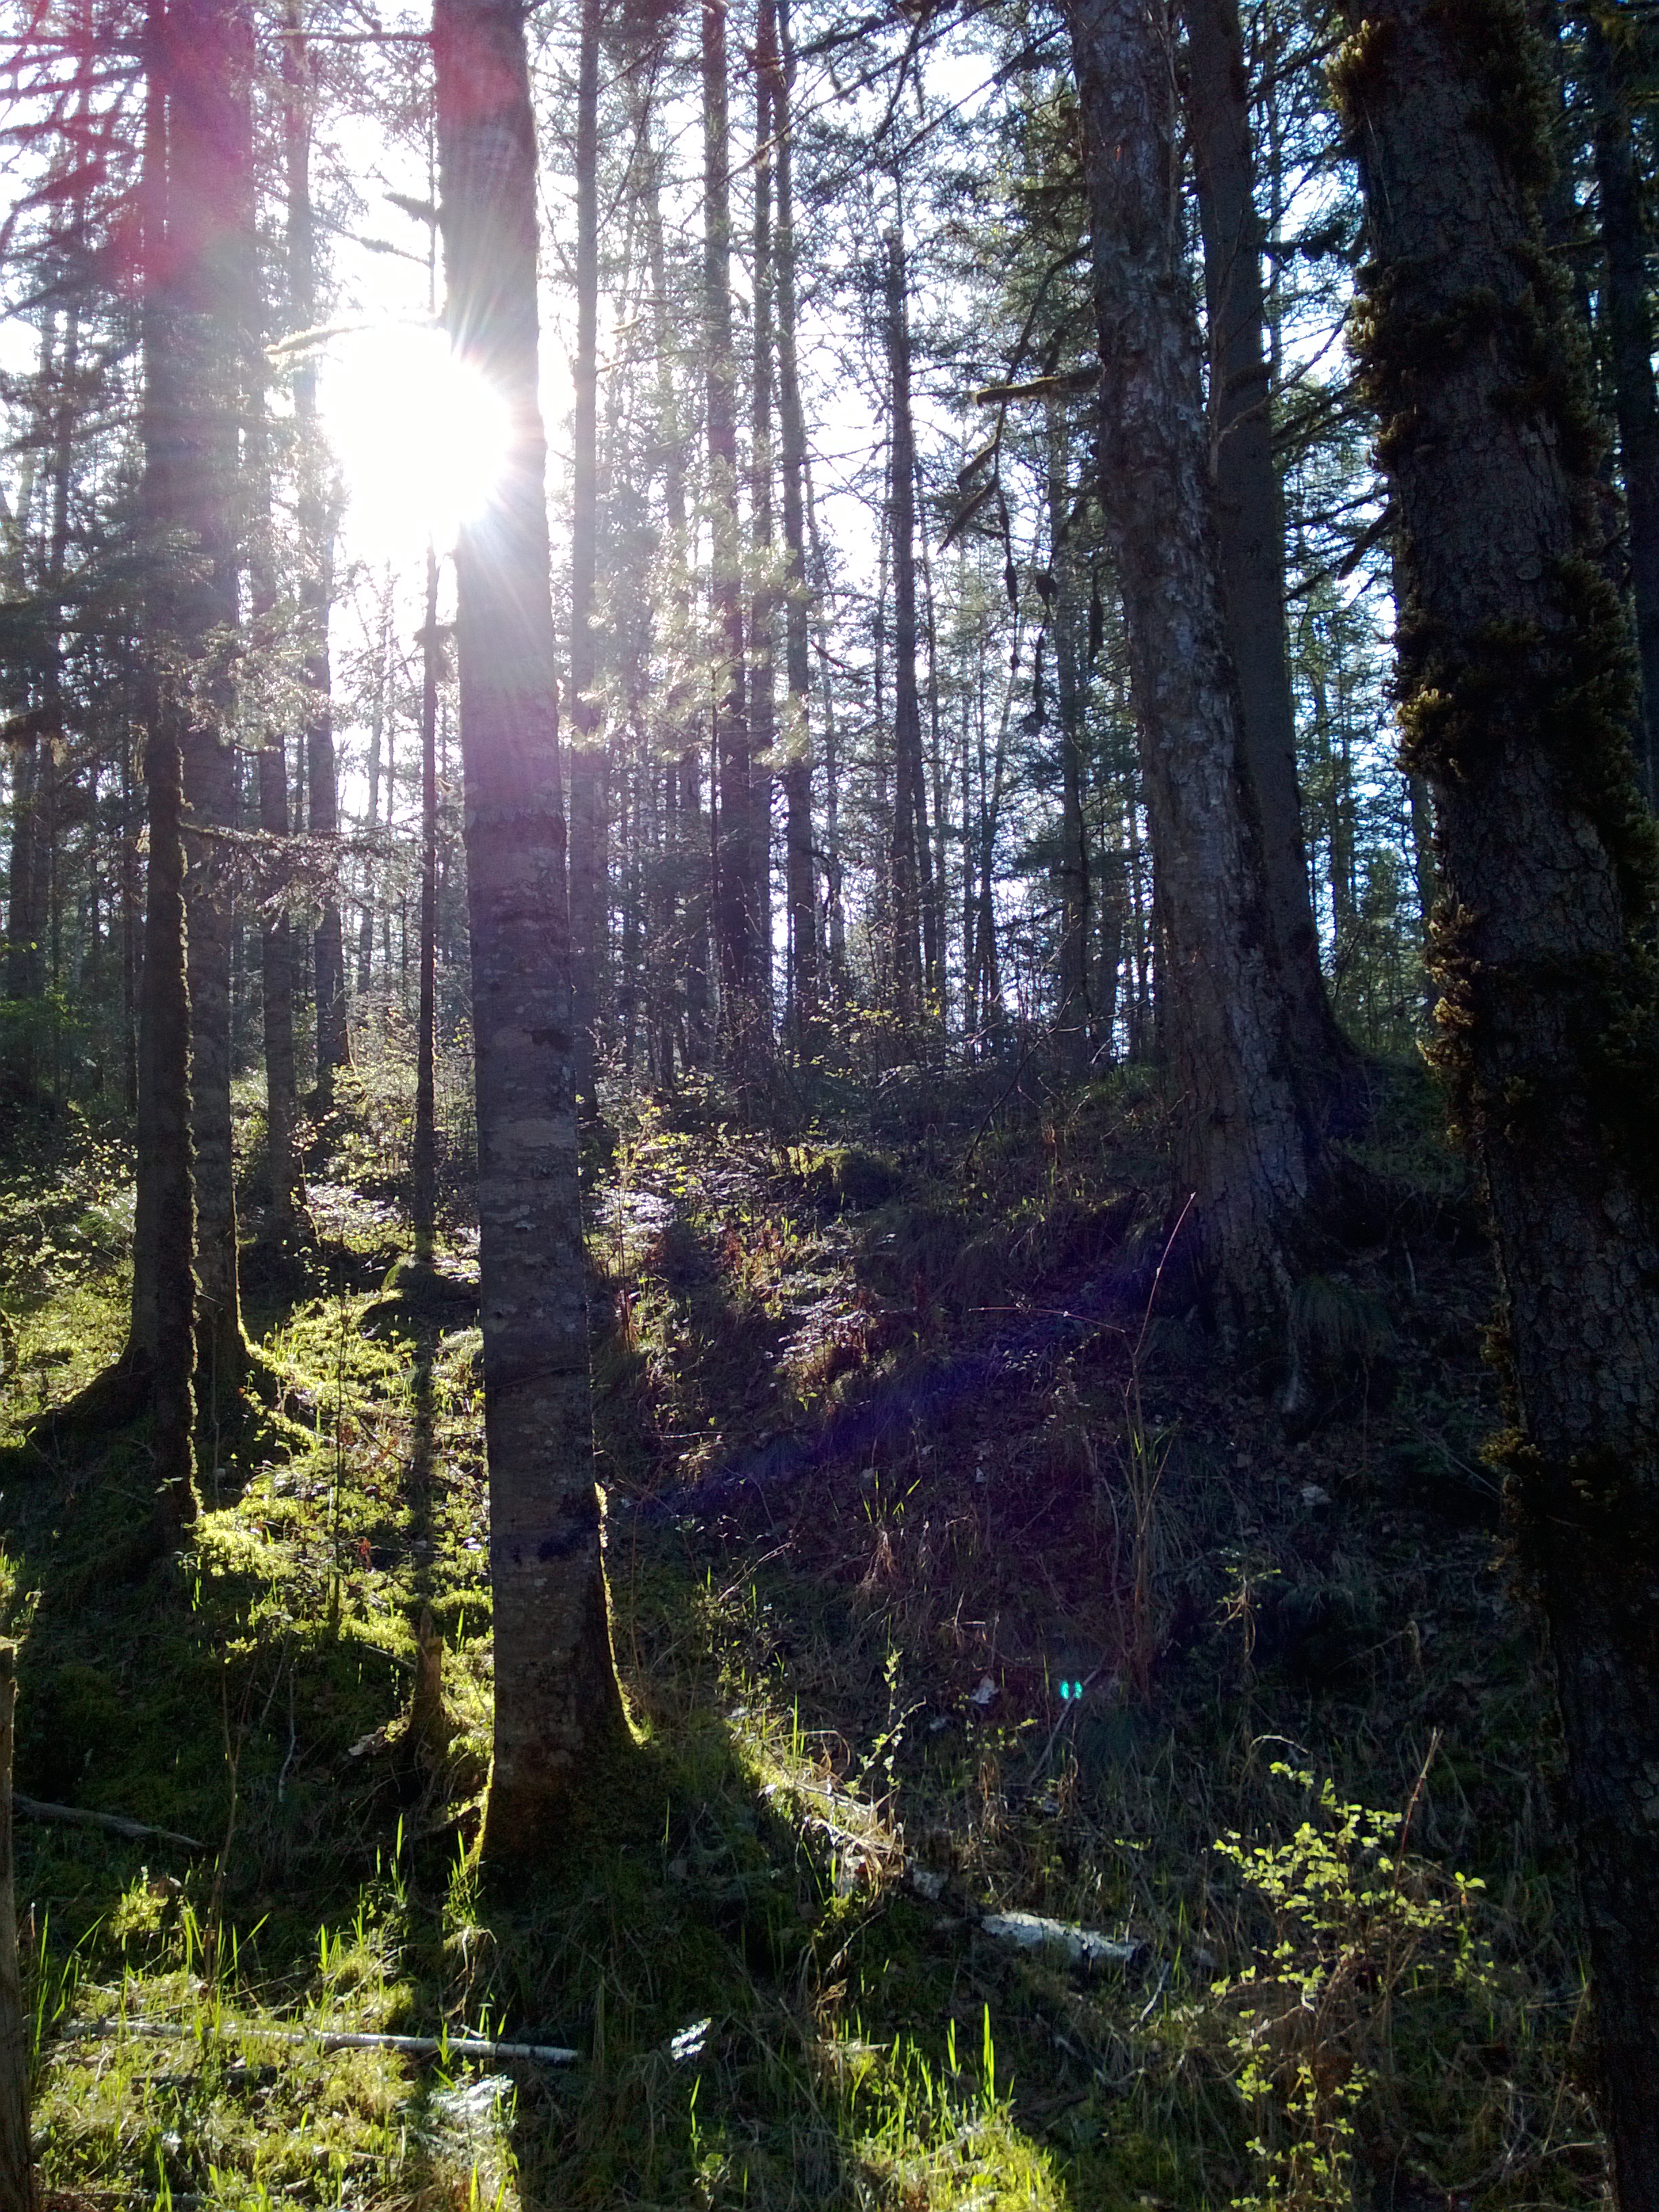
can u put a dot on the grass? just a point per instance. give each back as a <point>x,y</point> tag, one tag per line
<point>895,1448</point>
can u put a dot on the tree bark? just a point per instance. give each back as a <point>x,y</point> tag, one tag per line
<point>1250,515</point>
<point>1630,350</point>
<point>317,565</point>
<point>159,1354</point>
<point>423,1161</point>
<point>763,596</point>
<point>1518,702</point>
<point>558,1706</point>
<point>1246,1149</point>
<point>587,763</point>
<point>1070,687</point>
<point>799,877</point>
<point>909,846</point>
<point>23,927</point>
<point>211,249</point>
<point>735,930</point>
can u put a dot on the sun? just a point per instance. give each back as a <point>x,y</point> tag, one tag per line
<point>421,436</point>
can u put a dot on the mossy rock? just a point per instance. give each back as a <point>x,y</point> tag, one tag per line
<point>850,1179</point>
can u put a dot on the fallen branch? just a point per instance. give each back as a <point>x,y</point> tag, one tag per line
<point>1079,1947</point>
<point>411,2046</point>
<point>117,1824</point>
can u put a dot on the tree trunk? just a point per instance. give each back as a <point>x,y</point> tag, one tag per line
<point>1518,700</point>
<point>1245,1150</point>
<point>909,835</point>
<point>800,892</point>
<point>316,566</point>
<point>587,763</point>
<point>1250,515</point>
<point>423,1159</point>
<point>22,930</point>
<point>763,598</point>
<point>558,1707</point>
<point>377,730</point>
<point>1629,350</point>
<point>1070,689</point>
<point>735,931</point>
<point>211,254</point>
<point>275,935</point>
<point>161,1346</point>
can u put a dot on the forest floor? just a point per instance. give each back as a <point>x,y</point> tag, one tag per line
<point>957,1575</point>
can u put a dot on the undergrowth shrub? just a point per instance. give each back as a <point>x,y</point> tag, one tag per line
<point>1355,1929</point>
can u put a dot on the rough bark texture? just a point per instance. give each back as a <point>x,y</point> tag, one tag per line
<point>1251,515</point>
<point>1629,350</point>
<point>1517,695</point>
<point>209,252</point>
<point>156,1366</point>
<point>587,763</point>
<point>557,1703</point>
<point>1244,1149</point>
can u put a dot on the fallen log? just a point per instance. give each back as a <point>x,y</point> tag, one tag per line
<point>410,2046</point>
<point>117,1824</point>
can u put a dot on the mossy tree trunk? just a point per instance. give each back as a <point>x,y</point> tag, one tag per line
<point>557,1703</point>
<point>1247,1150</point>
<point>1518,704</point>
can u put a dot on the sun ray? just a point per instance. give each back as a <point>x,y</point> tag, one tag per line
<point>420,435</point>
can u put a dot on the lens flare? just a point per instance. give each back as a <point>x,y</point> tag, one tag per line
<point>421,436</point>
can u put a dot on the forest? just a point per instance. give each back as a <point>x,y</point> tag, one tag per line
<point>829,1105</point>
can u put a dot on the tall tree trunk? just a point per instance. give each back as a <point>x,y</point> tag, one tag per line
<point>380,708</point>
<point>800,892</point>
<point>834,932</point>
<point>211,250</point>
<point>558,1708</point>
<point>587,763</point>
<point>160,1348</point>
<point>316,566</point>
<point>763,598</point>
<point>909,847</point>
<point>1244,1147</point>
<point>1630,350</point>
<point>275,935</point>
<point>735,931</point>
<point>1518,703</point>
<point>1249,517</point>
<point>23,929</point>
<point>423,1160</point>
<point>1064,607</point>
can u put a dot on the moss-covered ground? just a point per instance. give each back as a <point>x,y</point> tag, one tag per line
<point>956,1572</point>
